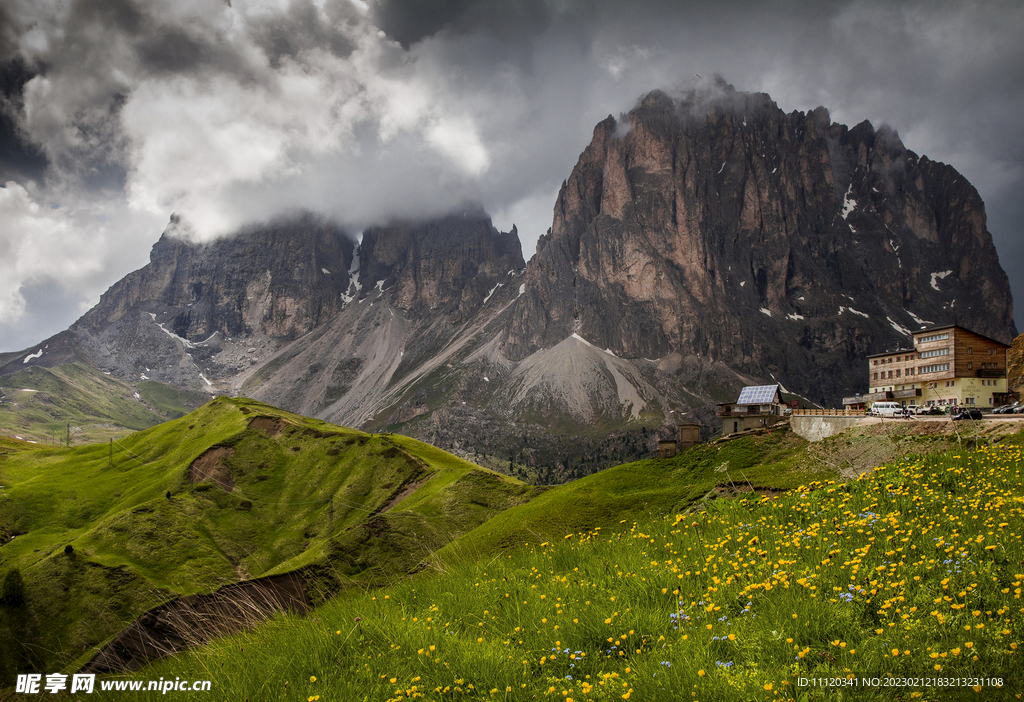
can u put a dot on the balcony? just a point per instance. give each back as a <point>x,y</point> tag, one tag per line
<point>993,373</point>
<point>747,410</point>
<point>906,393</point>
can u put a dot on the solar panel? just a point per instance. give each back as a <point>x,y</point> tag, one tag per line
<point>757,395</point>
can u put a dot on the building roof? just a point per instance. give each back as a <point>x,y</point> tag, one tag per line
<point>891,353</point>
<point>931,330</point>
<point>759,395</point>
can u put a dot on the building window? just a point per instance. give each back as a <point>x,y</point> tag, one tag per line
<point>938,367</point>
<point>876,376</point>
<point>890,374</point>
<point>934,353</point>
<point>968,400</point>
<point>950,383</point>
<point>933,337</point>
<point>970,351</point>
<point>910,371</point>
<point>897,372</point>
<point>970,366</point>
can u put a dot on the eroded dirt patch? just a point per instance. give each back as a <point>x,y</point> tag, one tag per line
<point>404,490</point>
<point>271,425</point>
<point>732,489</point>
<point>213,466</point>
<point>194,620</point>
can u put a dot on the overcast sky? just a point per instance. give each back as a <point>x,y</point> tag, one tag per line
<point>116,113</point>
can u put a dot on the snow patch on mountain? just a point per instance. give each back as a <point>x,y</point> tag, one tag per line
<point>497,285</point>
<point>185,342</point>
<point>848,202</point>
<point>936,277</point>
<point>899,327</point>
<point>923,322</point>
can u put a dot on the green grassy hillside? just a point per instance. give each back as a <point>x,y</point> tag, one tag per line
<point>40,404</point>
<point>235,490</point>
<point>240,490</point>
<point>768,462</point>
<point>913,570</point>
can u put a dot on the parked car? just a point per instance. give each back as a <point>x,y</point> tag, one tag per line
<point>1019,409</point>
<point>967,414</point>
<point>935,409</point>
<point>887,409</point>
<point>915,409</point>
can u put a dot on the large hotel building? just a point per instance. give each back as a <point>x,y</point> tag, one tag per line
<point>947,366</point>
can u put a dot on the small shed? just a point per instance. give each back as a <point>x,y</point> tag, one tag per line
<point>689,436</point>
<point>666,448</point>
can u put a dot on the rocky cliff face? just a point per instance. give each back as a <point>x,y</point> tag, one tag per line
<point>218,307</point>
<point>448,265</point>
<point>784,246</point>
<point>420,295</point>
<point>283,279</point>
<point>1015,365</point>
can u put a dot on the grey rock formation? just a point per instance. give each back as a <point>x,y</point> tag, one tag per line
<point>784,246</point>
<point>170,319</point>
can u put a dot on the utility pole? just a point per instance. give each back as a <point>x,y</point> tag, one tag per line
<point>68,441</point>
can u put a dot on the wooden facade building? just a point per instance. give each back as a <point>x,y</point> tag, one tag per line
<point>947,365</point>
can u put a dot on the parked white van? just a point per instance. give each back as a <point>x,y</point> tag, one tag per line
<point>887,409</point>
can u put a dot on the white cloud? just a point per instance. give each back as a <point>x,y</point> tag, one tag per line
<point>35,242</point>
<point>55,261</point>
<point>198,141</point>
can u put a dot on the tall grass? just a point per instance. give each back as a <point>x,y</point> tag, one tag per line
<point>915,569</point>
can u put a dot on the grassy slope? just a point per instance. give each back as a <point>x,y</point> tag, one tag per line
<point>912,570</point>
<point>312,496</point>
<point>302,495</point>
<point>652,486</point>
<point>97,406</point>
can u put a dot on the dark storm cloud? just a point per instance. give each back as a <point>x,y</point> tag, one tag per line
<point>163,47</point>
<point>409,21</point>
<point>20,159</point>
<point>226,113</point>
<point>303,27</point>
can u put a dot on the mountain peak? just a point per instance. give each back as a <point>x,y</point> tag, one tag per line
<point>722,227</point>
